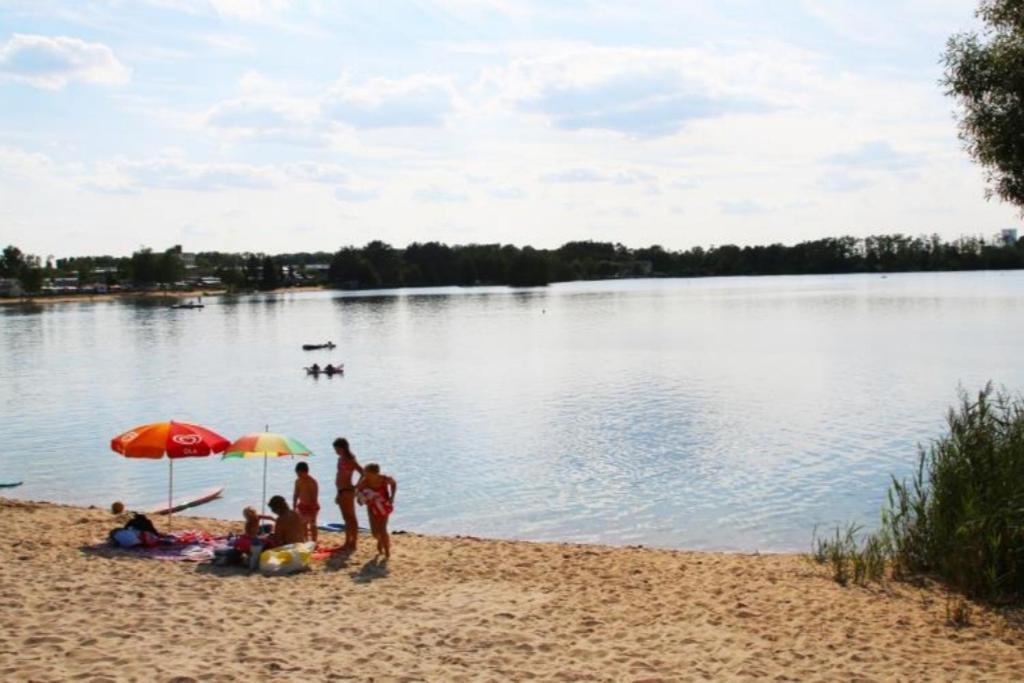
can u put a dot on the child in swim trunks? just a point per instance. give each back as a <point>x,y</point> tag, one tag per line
<point>377,491</point>
<point>306,499</point>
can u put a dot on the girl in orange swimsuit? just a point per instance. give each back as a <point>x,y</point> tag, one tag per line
<point>346,500</point>
<point>378,491</point>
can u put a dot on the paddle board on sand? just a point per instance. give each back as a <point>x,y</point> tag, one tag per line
<point>188,501</point>
<point>9,484</point>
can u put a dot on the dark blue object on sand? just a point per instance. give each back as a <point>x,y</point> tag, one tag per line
<point>336,527</point>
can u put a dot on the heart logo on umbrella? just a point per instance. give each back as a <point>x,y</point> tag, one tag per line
<point>186,439</point>
<point>129,437</point>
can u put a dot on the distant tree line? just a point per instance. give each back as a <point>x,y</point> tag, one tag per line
<point>427,264</point>
<point>432,263</point>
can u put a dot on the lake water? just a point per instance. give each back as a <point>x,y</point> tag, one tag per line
<point>719,413</point>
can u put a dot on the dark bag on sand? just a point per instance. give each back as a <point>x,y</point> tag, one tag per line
<point>140,523</point>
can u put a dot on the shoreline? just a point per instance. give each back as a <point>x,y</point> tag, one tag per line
<point>154,296</point>
<point>93,298</point>
<point>462,608</point>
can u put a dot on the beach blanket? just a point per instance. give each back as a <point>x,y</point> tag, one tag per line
<point>191,545</point>
<point>379,504</point>
<point>324,552</point>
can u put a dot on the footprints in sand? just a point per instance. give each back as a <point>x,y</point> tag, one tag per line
<point>468,610</point>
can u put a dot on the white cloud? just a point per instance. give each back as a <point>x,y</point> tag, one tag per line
<point>346,187</point>
<point>877,155</point>
<point>507,193</point>
<point>418,101</point>
<point>741,207</point>
<point>649,92</point>
<point>354,194</point>
<point>244,10</point>
<point>20,165</point>
<point>439,195</point>
<point>175,173</point>
<point>53,62</point>
<point>890,24</point>
<point>591,175</point>
<point>261,114</point>
<point>229,43</point>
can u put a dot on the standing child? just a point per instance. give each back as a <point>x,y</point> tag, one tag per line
<point>378,491</point>
<point>306,499</point>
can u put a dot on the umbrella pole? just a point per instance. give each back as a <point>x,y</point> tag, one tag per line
<point>263,500</point>
<point>170,493</point>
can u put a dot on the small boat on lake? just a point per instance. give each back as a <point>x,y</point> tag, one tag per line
<point>316,347</point>
<point>189,304</point>
<point>9,484</point>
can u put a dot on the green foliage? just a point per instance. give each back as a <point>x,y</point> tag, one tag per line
<point>25,268</point>
<point>169,268</point>
<point>426,264</point>
<point>270,274</point>
<point>986,76</point>
<point>11,262</point>
<point>851,559</point>
<point>31,276</point>
<point>434,264</point>
<point>962,514</point>
<point>143,267</point>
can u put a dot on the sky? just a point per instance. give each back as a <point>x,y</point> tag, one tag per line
<point>282,125</point>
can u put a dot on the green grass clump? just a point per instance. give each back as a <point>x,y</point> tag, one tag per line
<point>850,559</point>
<point>961,516</point>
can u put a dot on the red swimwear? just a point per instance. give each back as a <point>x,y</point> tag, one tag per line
<point>345,468</point>
<point>307,509</point>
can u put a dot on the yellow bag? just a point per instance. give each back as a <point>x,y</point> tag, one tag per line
<point>286,559</point>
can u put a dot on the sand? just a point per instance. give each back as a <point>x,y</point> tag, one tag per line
<point>453,609</point>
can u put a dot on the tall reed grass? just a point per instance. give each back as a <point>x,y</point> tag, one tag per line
<point>960,517</point>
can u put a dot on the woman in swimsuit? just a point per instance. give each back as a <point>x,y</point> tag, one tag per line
<point>378,491</point>
<point>346,500</point>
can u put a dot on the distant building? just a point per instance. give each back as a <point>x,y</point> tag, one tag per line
<point>10,287</point>
<point>1008,237</point>
<point>189,260</point>
<point>61,285</point>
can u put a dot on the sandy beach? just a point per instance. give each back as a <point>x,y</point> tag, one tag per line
<point>450,609</point>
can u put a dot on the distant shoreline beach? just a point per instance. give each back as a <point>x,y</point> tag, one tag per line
<point>148,296</point>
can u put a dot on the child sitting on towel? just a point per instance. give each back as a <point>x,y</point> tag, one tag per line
<point>252,529</point>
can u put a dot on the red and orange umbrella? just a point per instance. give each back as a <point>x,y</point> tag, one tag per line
<point>173,439</point>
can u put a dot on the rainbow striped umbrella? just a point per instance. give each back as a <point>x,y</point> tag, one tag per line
<point>265,445</point>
